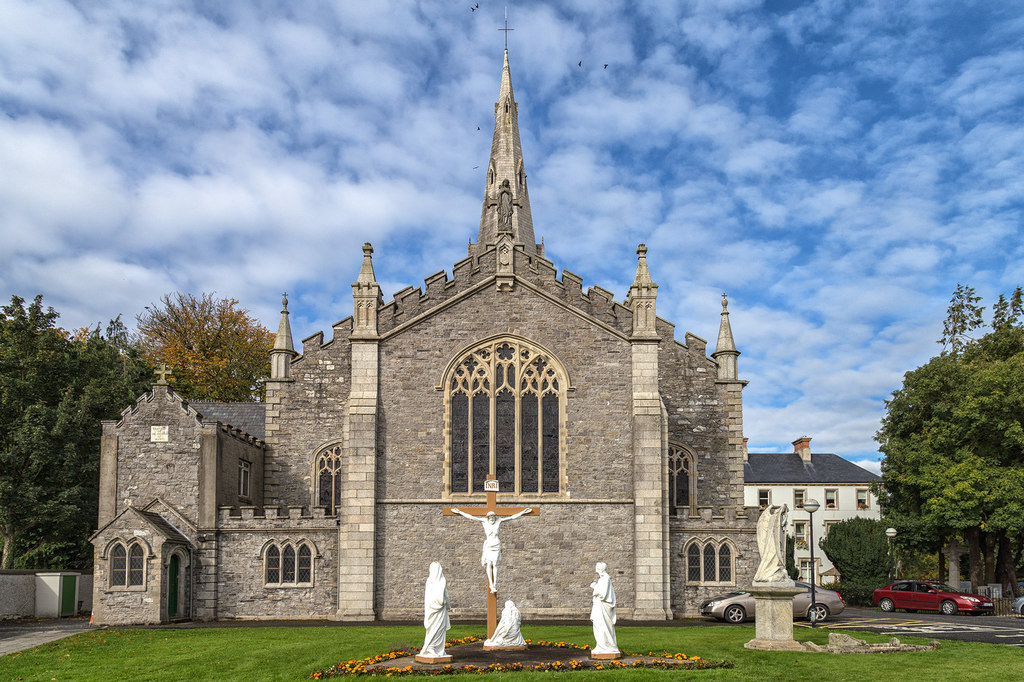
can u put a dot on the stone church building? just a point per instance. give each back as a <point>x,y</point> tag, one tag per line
<point>326,500</point>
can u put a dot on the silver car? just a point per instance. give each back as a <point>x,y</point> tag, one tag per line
<point>1018,606</point>
<point>736,607</point>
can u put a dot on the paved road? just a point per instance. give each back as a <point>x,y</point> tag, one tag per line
<point>966,628</point>
<point>18,635</point>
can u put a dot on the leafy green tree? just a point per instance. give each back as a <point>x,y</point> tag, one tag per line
<point>216,349</point>
<point>859,550</point>
<point>953,439</point>
<point>54,390</point>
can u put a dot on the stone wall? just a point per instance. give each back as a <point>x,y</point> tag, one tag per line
<point>546,568</point>
<point>147,469</point>
<point>127,605</point>
<point>242,593</point>
<point>233,447</point>
<point>739,525</point>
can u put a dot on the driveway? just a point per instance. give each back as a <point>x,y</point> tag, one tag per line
<point>26,633</point>
<point>966,628</point>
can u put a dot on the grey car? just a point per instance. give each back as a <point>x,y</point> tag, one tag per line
<point>1018,606</point>
<point>738,606</point>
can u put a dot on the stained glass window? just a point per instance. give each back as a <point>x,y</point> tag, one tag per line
<point>506,414</point>
<point>328,477</point>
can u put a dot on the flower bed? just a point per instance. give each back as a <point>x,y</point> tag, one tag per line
<point>376,665</point>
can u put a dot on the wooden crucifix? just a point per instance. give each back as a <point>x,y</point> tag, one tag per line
<point>491,517</point>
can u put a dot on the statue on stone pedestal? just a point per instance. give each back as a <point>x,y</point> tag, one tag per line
<point>492,545</point>
<point>771,544</point>
<point>602,613</point>
<point>507,633</point>
<point>435,613</point>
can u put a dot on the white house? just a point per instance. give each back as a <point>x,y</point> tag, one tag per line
<point>842,488</point>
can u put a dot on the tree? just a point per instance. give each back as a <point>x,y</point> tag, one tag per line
<point>54,390</point>
<point>859,550</point>
<point>216,349</point>
<point>953,439</point>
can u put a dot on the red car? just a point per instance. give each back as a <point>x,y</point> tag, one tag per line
<point>914,595</point>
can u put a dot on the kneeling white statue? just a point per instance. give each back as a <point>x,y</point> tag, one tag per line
<point>507,633</point>
<point>435,615</point>
<point>602,613</point>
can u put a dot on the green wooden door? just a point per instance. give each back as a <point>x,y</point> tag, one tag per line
<point>68,583</point>
<point>172,588</point>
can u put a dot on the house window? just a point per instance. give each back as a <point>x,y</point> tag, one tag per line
<point>682,479</point>
<point>764,498</point>
<point>118,566</point>
<point>244,471</point>
<point>863,501</point>
<point>798,498</point>
<point>709,562</point>
<point>806,570</point>
<point>288,564</point>
<point>828,526</point>
<point>831,498</point>
<point>800,534</point>
<point>328,479</point>
<point>127,565</point>
<point>505,412</point>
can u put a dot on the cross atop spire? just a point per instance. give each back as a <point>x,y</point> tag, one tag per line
<point>506,208</point>
<point>506,30</point>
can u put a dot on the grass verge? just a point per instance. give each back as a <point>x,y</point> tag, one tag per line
<point>293,653</point>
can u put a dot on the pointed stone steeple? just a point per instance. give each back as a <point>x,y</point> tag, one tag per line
<point>725,350</point>
<point>643,297</point>
<point>283,351</point>
<point>366,298</point>
<point>506,209</point>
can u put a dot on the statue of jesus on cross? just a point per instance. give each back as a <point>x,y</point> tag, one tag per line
<point>492,545</point>
<point>491,517</point>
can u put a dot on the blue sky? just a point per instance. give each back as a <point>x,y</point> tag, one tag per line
<point>835,167</point>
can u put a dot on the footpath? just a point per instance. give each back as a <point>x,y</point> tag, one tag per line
<point>26,633</point>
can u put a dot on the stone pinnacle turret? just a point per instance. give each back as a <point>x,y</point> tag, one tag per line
<point>725,350</point>
<point>283,351</point>
<point>506,208</point>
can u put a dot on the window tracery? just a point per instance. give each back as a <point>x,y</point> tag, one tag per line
<point>505,408</point>
<point>709,562</point>
<point>682,468</point>
<point>127,565</point>
<point>288,564</point>
<point>328,479</point>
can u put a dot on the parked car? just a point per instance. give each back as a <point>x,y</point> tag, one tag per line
<point>1018,606</point>
<point>923,595</point>
<point>738,606</point>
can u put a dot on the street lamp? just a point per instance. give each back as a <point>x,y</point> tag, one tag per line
<point>891,533</point>
<point>811,506</point>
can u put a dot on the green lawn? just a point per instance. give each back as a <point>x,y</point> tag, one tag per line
<point>283,653</point>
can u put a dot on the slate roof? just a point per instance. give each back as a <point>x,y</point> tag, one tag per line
<point>249,417</point>
<point>165,528</point>
<point>788,467</point>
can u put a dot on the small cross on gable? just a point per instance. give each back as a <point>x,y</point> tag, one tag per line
<point>162,371</point>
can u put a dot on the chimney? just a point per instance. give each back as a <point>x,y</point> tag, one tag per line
<point>802,447</point>
<point>745,451</point>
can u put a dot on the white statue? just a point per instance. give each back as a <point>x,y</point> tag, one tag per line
<point>771,544</point>
<point>492,546</point>
<point>507,631</point>
<point>602,613</point>
<point>435,613</point>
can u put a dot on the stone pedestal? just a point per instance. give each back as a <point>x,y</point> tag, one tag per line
<point>773,605</point>
<point>521,647</point>
<point>433,660</point>
<point>605,657</point>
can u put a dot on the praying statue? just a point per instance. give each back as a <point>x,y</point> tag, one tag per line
<point>771,544</point>
<point>435,613</point>
<point>507,632</point>
<point>505,208</point>
<point>492,545</point>
<point>602,613</point>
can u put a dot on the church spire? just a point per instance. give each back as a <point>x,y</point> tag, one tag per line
<point>506,209</point>
<point>725,350</point>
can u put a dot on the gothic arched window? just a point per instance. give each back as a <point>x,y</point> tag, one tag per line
<point>505,412</point>
<point>682,471</point>
<point>118,566</point>
<point>328,479</point>
<point>709,562</point>
<point>288,564</point>
<point>136,565</point>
